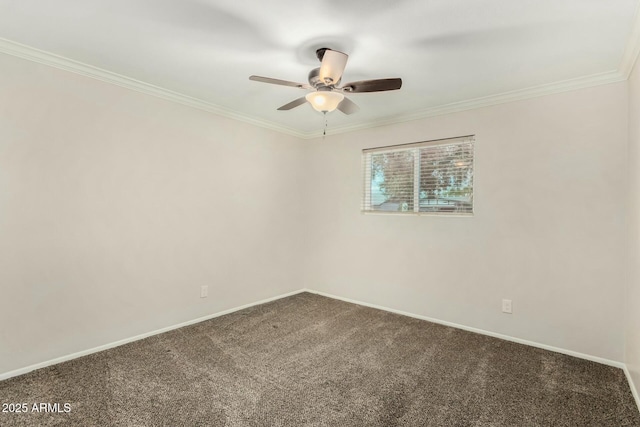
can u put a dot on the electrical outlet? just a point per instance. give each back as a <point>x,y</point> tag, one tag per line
<point>204,291</point>
<point>506,306</point>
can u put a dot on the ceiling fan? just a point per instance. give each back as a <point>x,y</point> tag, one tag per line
<point>324,81</point>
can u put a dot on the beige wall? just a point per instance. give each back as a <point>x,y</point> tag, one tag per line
<point>115,207</point>
<point>548,230</point>
<point>632,349</point>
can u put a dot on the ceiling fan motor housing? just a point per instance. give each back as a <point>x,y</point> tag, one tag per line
<point>314,80</point>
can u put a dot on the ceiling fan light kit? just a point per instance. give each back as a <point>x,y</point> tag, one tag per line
<point>328,96</point>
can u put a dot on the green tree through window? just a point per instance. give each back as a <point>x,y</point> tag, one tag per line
<point>394,174</point>
<point>423,177</point>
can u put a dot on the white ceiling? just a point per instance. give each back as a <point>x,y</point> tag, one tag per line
<point>446,51</point>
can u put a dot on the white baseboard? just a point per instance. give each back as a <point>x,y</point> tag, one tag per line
<point>61,359</point>
<point>480,331</point>
<point>26,369</point>
<point>634,390</point>
<point>615,364</point>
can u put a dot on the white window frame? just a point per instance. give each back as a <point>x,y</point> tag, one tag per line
<point>366,206</point>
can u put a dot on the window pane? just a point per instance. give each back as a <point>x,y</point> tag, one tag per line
<point>446,178</point>
<point>423,177</point>
<point>392,176</point>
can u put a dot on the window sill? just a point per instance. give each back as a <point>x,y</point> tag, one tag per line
<point>443,214</point>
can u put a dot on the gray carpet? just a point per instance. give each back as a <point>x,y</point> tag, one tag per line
<point>308,360</point>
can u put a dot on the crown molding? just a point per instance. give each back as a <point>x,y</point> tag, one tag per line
<point>487,101</point>
<point>42,57</point>
<point>632,48</point>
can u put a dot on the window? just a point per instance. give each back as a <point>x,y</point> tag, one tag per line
<point>432,177</point>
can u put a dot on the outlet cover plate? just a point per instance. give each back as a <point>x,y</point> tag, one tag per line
<point>506,306</point>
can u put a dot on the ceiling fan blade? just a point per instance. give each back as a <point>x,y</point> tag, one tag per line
<point>379,85</point>
<point>293,104</point>
<point>332,67</point>
<point>279,82</point>
<point>347,106</point>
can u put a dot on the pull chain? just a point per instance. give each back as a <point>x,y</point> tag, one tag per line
<point>324,133</point>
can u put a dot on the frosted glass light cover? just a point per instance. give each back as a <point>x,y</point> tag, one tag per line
<point>324,101</point>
